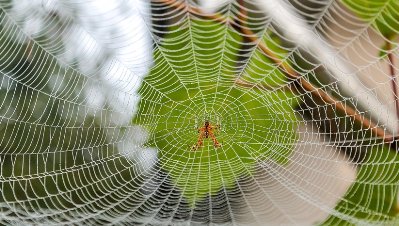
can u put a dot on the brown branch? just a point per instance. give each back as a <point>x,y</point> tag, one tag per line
<point>393,76</point>
<point>242,16</point>
<point>292,74</point>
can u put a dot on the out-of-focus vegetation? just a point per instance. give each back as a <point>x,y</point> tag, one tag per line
<point>54,154</point>
<point>374,194</point>
<point>187,86</point>
<point>382,14</point>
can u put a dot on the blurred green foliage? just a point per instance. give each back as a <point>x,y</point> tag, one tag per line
<point>55,155</point>
<point>382,14</point>
<point>193,81</point>
<point>373,196</point>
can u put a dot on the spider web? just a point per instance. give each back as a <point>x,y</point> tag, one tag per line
<point>102,101</point>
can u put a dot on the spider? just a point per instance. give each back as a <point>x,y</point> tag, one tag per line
<point>208,130</point>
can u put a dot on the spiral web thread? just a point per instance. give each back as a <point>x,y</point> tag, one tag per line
<point>71,72</point>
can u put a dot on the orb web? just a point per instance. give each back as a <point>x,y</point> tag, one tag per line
<point>198,112</point>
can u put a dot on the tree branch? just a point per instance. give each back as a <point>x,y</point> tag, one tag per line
<point>393,77</point>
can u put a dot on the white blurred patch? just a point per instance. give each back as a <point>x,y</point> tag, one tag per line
<point>107,46</point>
<point>211,6</point>
<point>94,97</point>
<point>133,148</point>
<point>303,192</point>
<point>125,41</point>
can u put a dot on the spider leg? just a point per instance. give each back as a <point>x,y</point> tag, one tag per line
<point>216,144</point>
<point>199,141</point>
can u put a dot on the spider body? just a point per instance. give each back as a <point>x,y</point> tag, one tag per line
<point>207,131</point>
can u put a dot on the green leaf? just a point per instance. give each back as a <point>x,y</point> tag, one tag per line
<point>373,197</point>
<point>385,49</point>
<point>261,69</point>
<point>193,81</point>
<point>383,14</point>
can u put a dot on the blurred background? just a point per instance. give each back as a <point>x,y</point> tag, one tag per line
<point>70,75</point>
